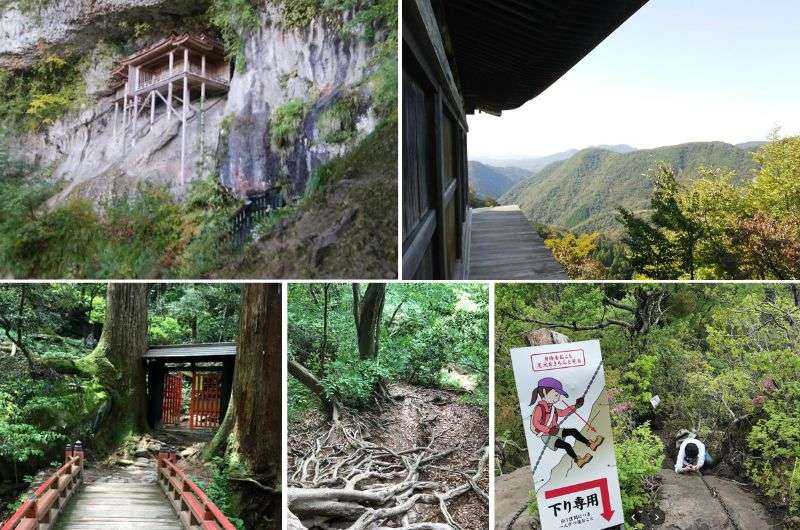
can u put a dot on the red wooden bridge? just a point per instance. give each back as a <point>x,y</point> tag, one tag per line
<point>62,502</point>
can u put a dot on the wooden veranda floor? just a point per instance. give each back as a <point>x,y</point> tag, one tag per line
<point>119,506</point>
<point>503,246</point>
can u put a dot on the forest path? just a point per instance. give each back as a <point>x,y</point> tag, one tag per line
<point>117,498</point>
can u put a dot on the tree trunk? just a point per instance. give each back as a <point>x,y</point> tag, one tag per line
<point>117,359</point>
<point>368,324</point>
<point>253,419</point>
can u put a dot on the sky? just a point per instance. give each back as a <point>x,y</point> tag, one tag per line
<point>677,71</point>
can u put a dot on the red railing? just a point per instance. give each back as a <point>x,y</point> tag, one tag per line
<point>193,506</point>
<point>49,499</point>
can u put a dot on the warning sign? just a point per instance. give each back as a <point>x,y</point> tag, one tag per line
<point>561,389</point>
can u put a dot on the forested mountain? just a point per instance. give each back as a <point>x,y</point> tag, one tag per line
<point>582,193</point>
<point>492,181</point>
<point>537,163</point>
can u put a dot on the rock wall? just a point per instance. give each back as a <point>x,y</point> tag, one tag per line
<point>79,24</point>
<point>315,65</point>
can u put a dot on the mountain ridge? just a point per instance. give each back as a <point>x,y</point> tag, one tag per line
<point>583,192</point>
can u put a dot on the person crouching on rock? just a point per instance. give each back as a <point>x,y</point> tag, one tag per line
<point>545,420</point>
<point>693,457</point>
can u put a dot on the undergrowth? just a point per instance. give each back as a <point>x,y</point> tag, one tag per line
<point>145,234</point>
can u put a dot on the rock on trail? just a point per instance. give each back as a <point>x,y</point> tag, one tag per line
<point>688,504</point>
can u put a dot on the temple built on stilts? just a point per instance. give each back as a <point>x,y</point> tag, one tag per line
<point>163,79</point>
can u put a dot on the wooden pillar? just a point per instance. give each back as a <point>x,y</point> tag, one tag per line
<point>169,88</point>
<point>125,116</point>
<point>116,112</point>
<point>183,124</point>
<point>152,107</point>
<point>133,119</point>
<point>185,60</point>
<point>203,65</point>
<point>226,387</point>
<point>202,119</point>
<point>135,105</point>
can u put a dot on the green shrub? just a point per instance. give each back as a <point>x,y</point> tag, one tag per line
<point>299,14</point>
<point>337,123</point>
<point>353,380</point>
<point>232,18</point>
<point>220,491</point>
<point>640,454</point>
<point>775,445</point>
<point>286,121</point>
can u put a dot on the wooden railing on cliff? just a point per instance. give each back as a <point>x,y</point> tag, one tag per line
<point>192,505</point>
<point>47,503</point>
<point>254,209</point>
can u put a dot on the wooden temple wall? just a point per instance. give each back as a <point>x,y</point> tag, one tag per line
<point>435,175</point>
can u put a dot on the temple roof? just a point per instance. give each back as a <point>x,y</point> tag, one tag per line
<point>200,43</point>
<point>506,52</point>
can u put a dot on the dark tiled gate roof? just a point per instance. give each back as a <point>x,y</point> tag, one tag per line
<point>192,351</point>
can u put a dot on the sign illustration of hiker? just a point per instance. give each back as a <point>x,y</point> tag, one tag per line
<point>547,417</point>
<point>561,390</point>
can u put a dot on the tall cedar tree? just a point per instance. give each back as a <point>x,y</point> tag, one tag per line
<point>252,425</point>
<point>118,358</point>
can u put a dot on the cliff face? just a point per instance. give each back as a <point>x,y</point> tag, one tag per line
<point>315,70</point>
<point>316,66</point>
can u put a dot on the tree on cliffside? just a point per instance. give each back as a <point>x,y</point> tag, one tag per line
<point>251,431</point>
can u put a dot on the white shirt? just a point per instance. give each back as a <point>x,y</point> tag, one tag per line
<point>701,453</point>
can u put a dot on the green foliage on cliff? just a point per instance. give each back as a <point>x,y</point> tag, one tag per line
<point>233,18</point>
<point>286,121</point>
<point>37,97</point>
<point>337,123</point>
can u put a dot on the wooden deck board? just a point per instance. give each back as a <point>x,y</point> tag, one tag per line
<point>503,246</point>
<point>119,506</point>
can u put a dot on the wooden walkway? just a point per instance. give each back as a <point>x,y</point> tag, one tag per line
<point>503,246</point>
<point>119,506</point>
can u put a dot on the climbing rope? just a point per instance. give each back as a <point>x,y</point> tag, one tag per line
<point>586,391</point>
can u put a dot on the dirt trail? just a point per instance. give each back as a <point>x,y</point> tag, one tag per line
<point>416,418</point>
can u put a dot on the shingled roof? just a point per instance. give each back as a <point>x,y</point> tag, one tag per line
<point>200,43</point>
<point>507,52</point>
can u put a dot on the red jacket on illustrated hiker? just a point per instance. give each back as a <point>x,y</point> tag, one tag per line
<point>546,424</point>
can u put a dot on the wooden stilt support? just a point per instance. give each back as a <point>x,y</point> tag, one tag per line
<point>135,116</point>
<point>169,88</point>
<point>202,122</point>
<point>116,112</point>
<point>152,107</point>
<point>125,119</point>
<point>183,127</point>
<point>133,120</point>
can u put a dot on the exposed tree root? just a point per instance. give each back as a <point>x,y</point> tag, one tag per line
<point>346,481</point>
